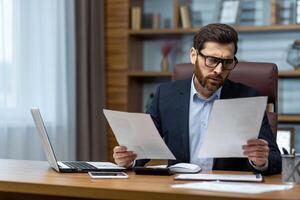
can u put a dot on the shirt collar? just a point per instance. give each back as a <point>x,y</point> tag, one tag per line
<point>194,93</point>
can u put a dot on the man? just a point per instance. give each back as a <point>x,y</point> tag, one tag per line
<point>181,109</point>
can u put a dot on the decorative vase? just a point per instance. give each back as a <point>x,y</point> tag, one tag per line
<point>165,64</point>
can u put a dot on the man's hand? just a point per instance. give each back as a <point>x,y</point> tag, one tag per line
<point>257,151</point>
<point>123,157</point>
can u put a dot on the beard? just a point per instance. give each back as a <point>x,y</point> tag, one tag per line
<point>210,83</point>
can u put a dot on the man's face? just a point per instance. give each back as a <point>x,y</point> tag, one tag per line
<point>211,78</point>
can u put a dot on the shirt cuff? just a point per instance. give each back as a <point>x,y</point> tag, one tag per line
<point>262,168</point>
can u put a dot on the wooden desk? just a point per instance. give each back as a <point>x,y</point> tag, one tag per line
<point>35,180</point>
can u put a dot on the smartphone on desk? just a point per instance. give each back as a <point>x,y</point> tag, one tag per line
<point>108,174</point>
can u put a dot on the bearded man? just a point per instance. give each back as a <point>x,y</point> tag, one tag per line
<point>181,109</point>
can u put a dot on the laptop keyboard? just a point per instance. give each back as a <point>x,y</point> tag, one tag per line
<point>79,165</point>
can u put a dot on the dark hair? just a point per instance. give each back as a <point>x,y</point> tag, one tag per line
<point>220,33</point>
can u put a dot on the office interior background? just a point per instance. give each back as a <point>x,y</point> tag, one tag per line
<point>72,58</point>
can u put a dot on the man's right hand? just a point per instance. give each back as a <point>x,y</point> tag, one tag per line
<point>123,157</point>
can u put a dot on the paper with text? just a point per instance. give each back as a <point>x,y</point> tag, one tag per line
<point>250,188</point>
<point>221,177</point>
<point>138,133</point>
<point>232,122</point>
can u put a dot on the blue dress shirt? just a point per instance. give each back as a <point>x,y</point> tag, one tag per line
<point>200,109</point>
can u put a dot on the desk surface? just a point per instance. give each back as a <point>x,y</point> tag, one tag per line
<point>36,178</point>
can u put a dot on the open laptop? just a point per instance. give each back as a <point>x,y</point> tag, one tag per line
<point>67,166</point>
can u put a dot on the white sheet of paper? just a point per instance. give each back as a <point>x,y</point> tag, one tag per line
<point>249,188</point>
<point>220,177</point>
<point>138,133</point>
<point>232,122</point>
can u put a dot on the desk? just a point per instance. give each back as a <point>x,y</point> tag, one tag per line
<point>35,180</point>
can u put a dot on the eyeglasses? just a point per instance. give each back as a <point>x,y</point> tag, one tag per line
<point>212,62</point>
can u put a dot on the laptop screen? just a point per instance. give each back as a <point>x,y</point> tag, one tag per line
<point>41,129</point>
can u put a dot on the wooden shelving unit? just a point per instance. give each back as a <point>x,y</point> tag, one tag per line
<point>289,118</point>
<point>281,74</point>
<point>175,31</point>
<point>153,74</point>
<point>139,73</point>
<point>289,74</point>
<point>291,27</point>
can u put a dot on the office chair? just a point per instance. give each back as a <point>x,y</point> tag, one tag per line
<point>261,76</point>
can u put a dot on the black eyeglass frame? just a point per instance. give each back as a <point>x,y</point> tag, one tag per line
<point>220,60</point>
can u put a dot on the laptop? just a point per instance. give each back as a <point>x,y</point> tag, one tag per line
<point>67,166</point>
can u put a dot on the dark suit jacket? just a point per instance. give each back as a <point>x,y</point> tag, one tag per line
<point>170,113</point>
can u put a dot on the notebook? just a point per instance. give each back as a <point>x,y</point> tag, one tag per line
<point>67,166</point>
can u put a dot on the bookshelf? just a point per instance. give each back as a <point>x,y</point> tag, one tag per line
<point>288,118</point>
<point>151,74</point>
<point>138,76</point>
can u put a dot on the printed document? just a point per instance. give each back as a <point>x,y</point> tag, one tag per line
<point>221,177</point>
<point>138,133</point>
<point>250,188</point>
<point>232,122</point>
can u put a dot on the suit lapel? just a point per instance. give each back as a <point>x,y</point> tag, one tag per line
<point>184,104</point>
<point>226,92</point>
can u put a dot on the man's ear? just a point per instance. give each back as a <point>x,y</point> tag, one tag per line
<point>193,55</point>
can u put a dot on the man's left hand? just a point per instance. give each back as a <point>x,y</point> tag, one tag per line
<point>257,151</point>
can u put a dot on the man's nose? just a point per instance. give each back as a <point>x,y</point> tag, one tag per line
<point>219,68</point>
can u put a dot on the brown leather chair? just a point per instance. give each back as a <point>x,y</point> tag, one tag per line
<point>261,76</point>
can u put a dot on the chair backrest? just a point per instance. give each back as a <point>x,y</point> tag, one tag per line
<point>261,76</point>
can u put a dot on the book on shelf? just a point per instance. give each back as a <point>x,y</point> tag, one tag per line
<point>185,17</point>
<point>151,20</point>
<point>136,18</point>
<point>273,12</point>
<point>196,18</point>
<point>156,21</point>
<point>148,20</point>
